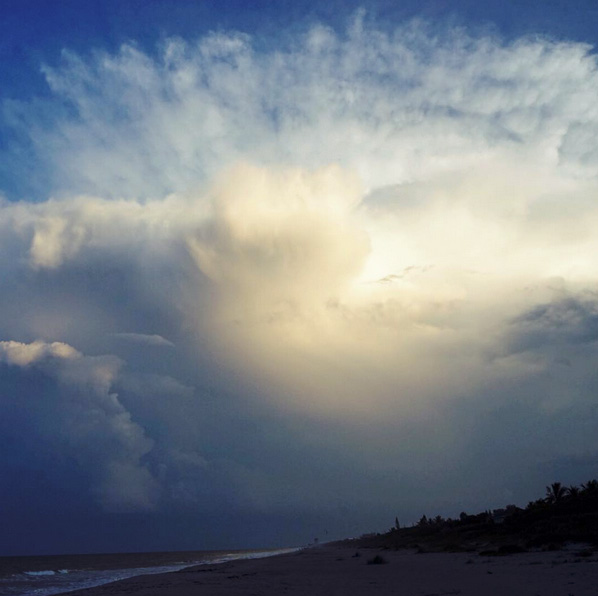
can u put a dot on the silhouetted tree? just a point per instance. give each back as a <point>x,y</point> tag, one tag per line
<point>537,504</point>
<point>555,492</point>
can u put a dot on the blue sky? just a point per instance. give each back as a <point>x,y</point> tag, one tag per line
<point>280,270</point>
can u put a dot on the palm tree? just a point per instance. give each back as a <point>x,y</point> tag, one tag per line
<point>573,492</point>
<point>590,487</point>
<point>555,492</point>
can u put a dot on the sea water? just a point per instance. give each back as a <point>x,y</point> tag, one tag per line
<point>46,575</point>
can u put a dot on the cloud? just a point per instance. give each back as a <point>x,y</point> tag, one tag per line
<point>86,416</point>
<point>14,352</point>
<point>385,105</point>
<point>151,340</point>
<point>571,319</point>
<point>281,239</point>
<point>364,243</point>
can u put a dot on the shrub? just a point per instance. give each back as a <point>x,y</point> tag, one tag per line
<point>377,560</point>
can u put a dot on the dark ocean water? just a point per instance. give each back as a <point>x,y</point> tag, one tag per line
<point>43,576</point>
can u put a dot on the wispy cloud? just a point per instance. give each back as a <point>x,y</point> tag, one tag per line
<point>143,338</point>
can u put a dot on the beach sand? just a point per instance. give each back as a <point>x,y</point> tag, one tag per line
<point>331,571</point>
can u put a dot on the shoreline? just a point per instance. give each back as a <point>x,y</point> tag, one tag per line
<point>344,570</point>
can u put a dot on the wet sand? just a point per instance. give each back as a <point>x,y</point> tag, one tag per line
<point>330,571</point>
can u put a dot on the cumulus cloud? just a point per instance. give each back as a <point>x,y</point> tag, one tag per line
<point>86,415</point>
<point>14,352</point>
<point>372,231</point>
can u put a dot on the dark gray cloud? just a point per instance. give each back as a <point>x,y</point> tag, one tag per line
<point>568,320</point>
<point>74,412</point>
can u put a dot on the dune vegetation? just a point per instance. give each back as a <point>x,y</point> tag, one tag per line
<point>565,515</point>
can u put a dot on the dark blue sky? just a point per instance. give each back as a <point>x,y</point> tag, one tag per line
<point>278,270</point>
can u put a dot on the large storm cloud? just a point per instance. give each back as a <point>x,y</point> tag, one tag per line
<point>363,265</point>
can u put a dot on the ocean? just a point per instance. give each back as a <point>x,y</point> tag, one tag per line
<point>56,574</point>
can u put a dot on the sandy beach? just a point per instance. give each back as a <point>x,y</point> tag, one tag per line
<point>335,570</point>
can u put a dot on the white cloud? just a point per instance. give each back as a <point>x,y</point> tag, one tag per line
<point>251,203</point>
<point>394,107</point>
<point>14,352</point>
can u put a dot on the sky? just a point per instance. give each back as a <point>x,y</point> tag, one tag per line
<point>274,271</point>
